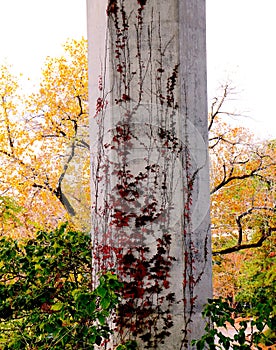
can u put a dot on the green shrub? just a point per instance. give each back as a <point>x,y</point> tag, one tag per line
<point>219,313</point>
<point>46,296</point>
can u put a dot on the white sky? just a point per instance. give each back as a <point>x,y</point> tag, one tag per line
<point>31,30</point>
<point>241,47</point>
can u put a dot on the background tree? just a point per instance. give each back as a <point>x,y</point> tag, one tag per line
<point>9,215</point>
<point>60,112</point>
<point>243,183</point>
<point>44,150</point>
<point>243,208</point>
<point>258,277</point>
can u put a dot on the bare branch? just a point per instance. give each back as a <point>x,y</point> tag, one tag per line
<point>265,232</point>
<point>251,174</point>
<point>238,247</point>
<point>216,106</point>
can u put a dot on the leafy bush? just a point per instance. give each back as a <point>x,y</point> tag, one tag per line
<point>219,313</point>
<point>46,296</point>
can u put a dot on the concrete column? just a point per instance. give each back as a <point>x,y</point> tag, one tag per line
<point>150,181</point>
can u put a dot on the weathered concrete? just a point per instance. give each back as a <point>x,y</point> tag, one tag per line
<point>150,187</point>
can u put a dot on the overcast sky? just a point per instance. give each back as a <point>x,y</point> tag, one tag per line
<point>241,47</point>
<point>31,30</point>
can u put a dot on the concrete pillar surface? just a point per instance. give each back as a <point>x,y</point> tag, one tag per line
<point>150,180</point>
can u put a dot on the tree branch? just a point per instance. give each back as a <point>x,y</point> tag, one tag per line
<point>265,232</point>
<point>253,173</point>
<point>238,247</point>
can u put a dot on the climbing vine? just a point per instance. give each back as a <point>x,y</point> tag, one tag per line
<point>140,168</point>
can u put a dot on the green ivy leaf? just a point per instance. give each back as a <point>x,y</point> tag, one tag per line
<point>91,307</point>
<point>57,307</point>
<point>101,319</point>
<point>101,291</point>
<point>105,302</point>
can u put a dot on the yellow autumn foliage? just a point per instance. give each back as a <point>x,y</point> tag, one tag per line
<point>44,152</point>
